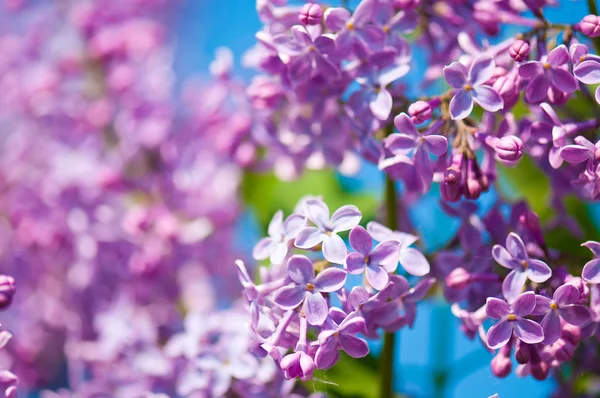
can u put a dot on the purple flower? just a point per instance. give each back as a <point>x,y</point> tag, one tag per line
<point>512,319</point>
<point>375,93</point>
<point>583,150</point>
<point>297,364</point>
<point>377,263</point>
<point>588,72</point>
<point>280,234</point>
<point>591,270</point>
<point>562,305</point>
<point>472,88</point>
<point>546,72</point>
<point>411,259</point>
<point>355,30</point>
<point>515,257</point>
<point>344,337</point>
<point>306,289</point>
<point>326,229</point>
<point>7,290</point>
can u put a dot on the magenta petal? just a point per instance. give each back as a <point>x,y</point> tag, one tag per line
<point>488,98</point>
<point>456,74</point>
<point>327,354</point>
<point>334,249</point>
<point>558,56</point>
<point>562,80</point>
<point>528,331</point>
<point>325,44</point>
<point>381,104</point>
<point>499,334</point>
<point>537,89</point>
<point>386,254</point>
<point>542,305</point>
<point>289,297</point>
<point>538,271</point>
<point>360,240</point>
<point>496,308</point>
<point>597,94</point>
<point>503,257</point>
<point>566,294</point>
<point>355,263</point>
<point>414,262</point>
<point>588,72</point>
<point>365,12</point>
<point>330,280</point>
<point>516,247</point>
<point>591,271</point>
<point>315,308</point>
<point>551,327</point>
<point>354,346</point>
<point>530,69</point>
<point>400,143</point>
<point>300,69</point>
<point>336,18</point>
<point>574,153</point>
<point>326,67</point>
<point>405,125</point>
<point>377,276</point>
<point>481,70</point>
<point>461,105</point>
<point>575,314</point>
<point>353,325</point>
<point>524,304</point>
<point>513,285</point>
<point>436,144</point>
<point>309,237</point>
<point>345,218</point>
<point>300,269</point>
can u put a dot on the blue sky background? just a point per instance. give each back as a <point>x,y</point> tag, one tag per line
<point>435,342</point>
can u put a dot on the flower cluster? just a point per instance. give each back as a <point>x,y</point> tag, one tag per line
<point>308,307</point>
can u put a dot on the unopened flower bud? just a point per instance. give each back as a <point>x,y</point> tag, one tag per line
<point>458,279</point>
<point>509,150</point>
<point>540,370</point>
<point>501,365</point>
<point>590,25</point>
<point>564,350</point>
<point>310,14</point>
<point>522,353</point>
<point>506,87</point>
<point>519,50</point>
<point>420,111</point>
<point>7,290</point>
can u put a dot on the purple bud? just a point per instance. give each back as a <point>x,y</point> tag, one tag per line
<point>564,350</point>
<point>451,188</point>
<point>473,188</point>
<point>531,222</point>
<point>7,290</point>
<point>458,279</point>
<point>487,15</point>
<point>501,365</point>
<point>406,4</point>
<point>571,333</point>
<point>509,150</point>
<point>522,353</point>
<point>506,87</point>
<point>540,370</point>
<point>420,111</point>
<point>310,14</point>
<point>590,25</point>
<point>520,50</point>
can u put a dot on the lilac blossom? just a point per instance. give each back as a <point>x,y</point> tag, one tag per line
<point>471,87</point>
<point>356,30</point>
<point>342,336</point>
<point>281,233</point>
<point>375,91</point>
<point>512,318</point>
<point>588,72</point>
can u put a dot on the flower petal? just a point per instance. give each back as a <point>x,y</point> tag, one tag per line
<point>309,237</point>
<point>345,218</point>
<point>330,280</point>
<point>538,271</point>
<point>391,75</point>
<point>327,354</point>
<point>455,74</point>
<point>279,252</point>
<point>300,269</point>
<point>503,257</point>
<point>574,153</point>
<point>336,18</point>
<point>516,247</point>
<point>499,334</point>
<point>289,297</point>
<point>276,225</point>
<point>524,304</point>
<point>377,276</point>
<point>558,56</point>
<point>530,69</point>
<point>566,294</point>
<point>488,98</point>
<point>513,284</point>
<point>562,80</point>
<point>315,308</point>
<point>354,346</point>
<point>528,331</point>
<point>355,263</point>
<point>436,144</point>
<point>481,70</point>
<point>496,308</point>
<point>591,271</point>
<point>263,248</point>
<point>334,249</point>
<point>294,224</point>
<point>542,305</point>
<point>537,89</point>
<point>461,105</point>
<point>405,125</point>
<point>575,314</point>
<point>386,254</point>
<point>400,143</point>
<point>317,212</point>
<point>588,72</point>
<point>414,262</point>
<point>360,240</point>
<point>381,104</point>
<point>551,327</point>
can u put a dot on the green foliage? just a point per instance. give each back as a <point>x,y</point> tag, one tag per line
<point>265,194</point>
<point>349,378</point>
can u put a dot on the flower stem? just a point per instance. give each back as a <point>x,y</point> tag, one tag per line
<point>389,339</point>
<point>594,10</point>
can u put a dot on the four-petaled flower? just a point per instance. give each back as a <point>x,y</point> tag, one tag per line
<point>561,305</point>
<point>306,288</point>
<point>326,229</point>
<point>472,88</point>
<point>512,319</point>
<point>546,72</point>
<point>281,233</point>
<point>515,257</point>
<point>341,336</point>
<point>377,263</point>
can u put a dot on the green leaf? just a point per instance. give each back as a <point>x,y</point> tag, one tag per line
<point>265,194</point>
<point>349,378</point>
